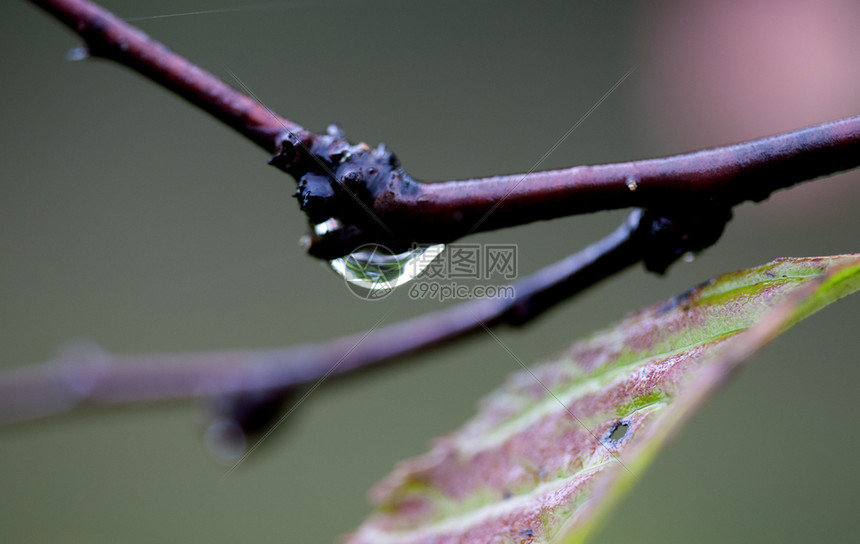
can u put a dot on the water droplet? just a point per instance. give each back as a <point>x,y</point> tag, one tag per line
<point>632,184</point>
<point>689,257</point>
<point>77,53</point>
<point>325,227</point>
<point>225,440</point>
<point>375,267</point>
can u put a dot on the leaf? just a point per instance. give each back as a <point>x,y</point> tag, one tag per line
<point>550,452</point>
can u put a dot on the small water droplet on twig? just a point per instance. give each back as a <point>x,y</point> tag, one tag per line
<point>375,267</point>
<point>77,53</point>
<point>632,184</point>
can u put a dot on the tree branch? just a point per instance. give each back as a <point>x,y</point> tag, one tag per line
<point>86,375</point>
<point>109,37</point>
<point>687,198</point>
<point>375,200</point>
<point>725,176</point>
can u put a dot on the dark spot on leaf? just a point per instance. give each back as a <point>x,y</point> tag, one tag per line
<point>682,299</point>
<point>677,301</point>
<point>507,494</point>
<point>617,434</point>
<point>527,532</point>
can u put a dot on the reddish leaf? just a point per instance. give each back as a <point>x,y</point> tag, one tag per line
<point>550,451</point>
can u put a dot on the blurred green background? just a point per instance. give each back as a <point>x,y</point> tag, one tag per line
<point>131,219</point>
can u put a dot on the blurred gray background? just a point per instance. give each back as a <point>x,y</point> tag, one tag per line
<point>131,219</point>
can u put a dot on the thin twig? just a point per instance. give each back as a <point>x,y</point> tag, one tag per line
<point>730,175</point>
<point>86,375</point>
<point>111,38</point>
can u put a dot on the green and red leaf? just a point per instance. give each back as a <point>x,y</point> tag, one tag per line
<point>551,451</point>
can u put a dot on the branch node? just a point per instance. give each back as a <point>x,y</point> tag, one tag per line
<point>668,235</point>
<point>347,182</point>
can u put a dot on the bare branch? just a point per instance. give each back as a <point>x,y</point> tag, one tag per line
<point>375,200</point>
<point>111,38</point>
<point>726,176</point>
<point>687,198</point>
<point>86,375</point>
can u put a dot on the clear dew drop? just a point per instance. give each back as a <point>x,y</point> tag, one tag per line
<point>77,53</point>
<point>327,226</point>
<point>689,257</point>
<point>632,184</point>
<point>375,267</point>
<point>225,440</point>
